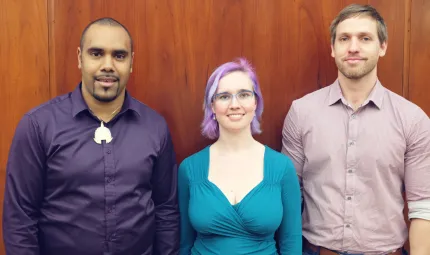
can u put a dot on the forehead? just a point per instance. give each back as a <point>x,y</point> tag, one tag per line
<point>106,37</point>
<point>235,81</point>
<point>356,25</point>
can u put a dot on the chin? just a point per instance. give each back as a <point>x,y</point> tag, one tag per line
<point>105,99</point>
<point>237,129</point>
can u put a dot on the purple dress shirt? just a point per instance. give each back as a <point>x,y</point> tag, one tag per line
<point>65,194</point>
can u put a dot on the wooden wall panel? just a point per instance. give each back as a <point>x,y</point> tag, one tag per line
<point>419,85</point>
<point>179,43</point>
<point>24,78</point>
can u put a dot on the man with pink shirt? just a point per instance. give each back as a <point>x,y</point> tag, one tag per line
<point>356,146</point>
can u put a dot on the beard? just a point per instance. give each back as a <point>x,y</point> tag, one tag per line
<point>106,95</point>
<point>358,71</point>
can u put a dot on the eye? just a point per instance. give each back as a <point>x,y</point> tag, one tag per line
<point>95,53</point>
<point>224,97</point>
<point>120,56</point>
<point>343,39</point>
<point>245,94</point>
<point>366,39</point>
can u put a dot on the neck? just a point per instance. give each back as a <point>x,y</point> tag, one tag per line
<point>356,91</point>
<point>104,110</point>
<point>235,141</point>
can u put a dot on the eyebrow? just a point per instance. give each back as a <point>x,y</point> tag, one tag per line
<point>94,49</point>
<point>124,52</point>
<point>240,90</point>
<point>359,34</point>
<point>118,51</point>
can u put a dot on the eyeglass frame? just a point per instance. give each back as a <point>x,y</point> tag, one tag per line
<point>234,95</point>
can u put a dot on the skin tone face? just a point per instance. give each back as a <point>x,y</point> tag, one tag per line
<point>106,63</point>
<point>235,115</point>
<point>356,48</point>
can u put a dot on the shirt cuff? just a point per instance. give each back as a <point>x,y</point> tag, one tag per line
<point>419,209</point>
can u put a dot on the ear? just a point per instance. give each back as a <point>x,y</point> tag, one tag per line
<point>383,49</point>
<point>79,53</point>
<point>213,108</point>
<point>332,50</point>
<point>131,65</point>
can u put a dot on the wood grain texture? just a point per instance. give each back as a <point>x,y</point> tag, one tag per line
<point>419,86</point>
<point>179,43</point>
<point>24,69</point>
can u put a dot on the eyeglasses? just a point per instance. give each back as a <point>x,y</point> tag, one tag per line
<point>244,97</point>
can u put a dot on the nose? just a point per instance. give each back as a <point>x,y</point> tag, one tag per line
<point>107,65</point>
<point>354,45</point>
<point>234,103</point>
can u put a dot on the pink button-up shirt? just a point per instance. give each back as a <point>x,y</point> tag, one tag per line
<point>353,167</point>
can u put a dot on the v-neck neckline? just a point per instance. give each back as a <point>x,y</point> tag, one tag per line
<point>221,193</point>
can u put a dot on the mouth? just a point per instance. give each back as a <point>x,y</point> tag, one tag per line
<point>106,81</point>
<point>353,60</point>
<point>235,116</point>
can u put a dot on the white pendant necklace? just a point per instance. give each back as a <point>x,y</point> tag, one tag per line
<point>103,133</point>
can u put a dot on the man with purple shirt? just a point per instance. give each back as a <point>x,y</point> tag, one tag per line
<point>93,171</point>
<point>356,146</point>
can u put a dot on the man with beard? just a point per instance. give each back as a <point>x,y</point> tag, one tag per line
<point>93,171</point>
<point>356,146</point>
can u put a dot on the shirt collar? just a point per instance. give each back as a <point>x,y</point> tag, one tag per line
<point>79,105</point>
<point>376,96</point>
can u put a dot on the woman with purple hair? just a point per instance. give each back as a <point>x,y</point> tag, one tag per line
<point>237,196</point>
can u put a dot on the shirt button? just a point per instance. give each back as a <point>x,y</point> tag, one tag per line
<point>351,143</point>
<point>353,116</point>
<point>109,180</point>
<point>109,210</point>
<point>350,171</point>
<point>108,151</point>
<point>348,198</point>
<point>347,225</point>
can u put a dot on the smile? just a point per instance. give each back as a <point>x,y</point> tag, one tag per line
<point>235,115</point>
<point>106,83</point>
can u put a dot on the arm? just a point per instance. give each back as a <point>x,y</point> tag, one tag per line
<point>292,142</point>
<point>419,234</point>
<point>290,231</point>
<point>24,190</point>
<point>164,195</point>
<point>188,235</point>
<point>417,176</point>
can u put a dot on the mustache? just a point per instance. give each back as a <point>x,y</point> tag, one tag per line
<point>353,56</point>
<point>106,76</point>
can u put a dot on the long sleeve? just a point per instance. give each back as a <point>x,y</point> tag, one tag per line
<point>417,167</point>
<point>24,190</point>
<point>188,234</point>
<point>290,231</point>
<point>291,139</point>
<point>164,195</point>
<point>292,142</point>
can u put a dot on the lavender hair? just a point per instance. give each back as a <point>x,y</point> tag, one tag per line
<point>209,126</point>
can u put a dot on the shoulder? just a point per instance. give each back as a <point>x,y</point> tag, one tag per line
<point>402,104</point>
<point>305,107</point>
<point>148,114</point>
<point>194,162</point>
<point>279,164</point>
<point>51,106</point>
<point>313,99</point>
<point>408,113</point>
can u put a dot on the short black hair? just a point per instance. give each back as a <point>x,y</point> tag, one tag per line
<point>107,21</point>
